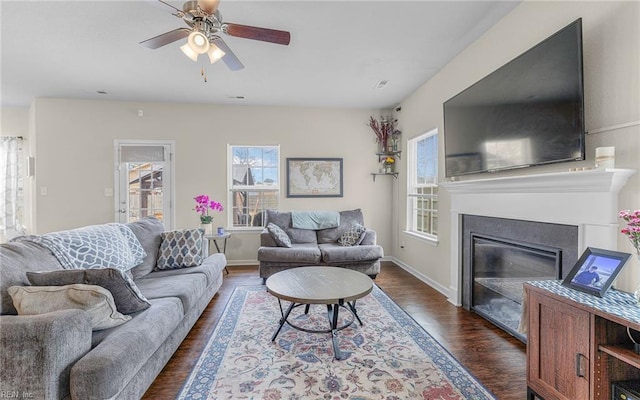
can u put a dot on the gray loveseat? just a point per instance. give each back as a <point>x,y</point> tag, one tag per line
<point>57,355</point>
<point>318,246</point>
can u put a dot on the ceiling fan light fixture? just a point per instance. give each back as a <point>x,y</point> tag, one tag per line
<point>215,53</point>
<point>186,49</point>
<point>198,42</point>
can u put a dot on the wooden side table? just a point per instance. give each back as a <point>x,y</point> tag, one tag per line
<point>214,238</point>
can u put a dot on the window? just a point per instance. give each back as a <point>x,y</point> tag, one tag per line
<point>254,183</point>
<point>422,190</point>
<point>11,188</point>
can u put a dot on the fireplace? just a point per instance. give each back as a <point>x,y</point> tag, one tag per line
<point>500,254</point>
<point>566,210</point>
<point>499,267</point>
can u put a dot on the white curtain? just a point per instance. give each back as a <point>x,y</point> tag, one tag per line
<point>10,187</point>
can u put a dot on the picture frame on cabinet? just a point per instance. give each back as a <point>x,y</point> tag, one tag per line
<point>595,271</point>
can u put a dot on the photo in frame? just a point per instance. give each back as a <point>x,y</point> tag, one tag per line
<point>314,177</point>
<point>595,271</point>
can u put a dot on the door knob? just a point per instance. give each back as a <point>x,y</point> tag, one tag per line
<point>122,210</point>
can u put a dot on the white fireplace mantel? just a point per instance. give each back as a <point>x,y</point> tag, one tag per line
<point>594,180</point>
<point>587,199</point>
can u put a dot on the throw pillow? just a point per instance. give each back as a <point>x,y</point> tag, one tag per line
<point>347,218</point>
<point>353,235</point>
<point>95,300</point>
<point>126,295</point>
<point>180,249</point>
<point>279,236</point>
<point>94,246</point>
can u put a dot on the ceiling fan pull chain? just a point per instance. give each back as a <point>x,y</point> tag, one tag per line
<point>203,73</point>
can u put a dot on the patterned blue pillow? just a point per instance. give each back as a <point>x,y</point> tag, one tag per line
<point>181,248</point>
<point>279,236</point>
<point>95,246</point>
<point>352,236</point>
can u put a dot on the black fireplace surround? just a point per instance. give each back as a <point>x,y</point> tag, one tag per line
<point>499,254</point>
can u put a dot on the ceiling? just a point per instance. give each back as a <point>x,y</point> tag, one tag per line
<point>339,51</point>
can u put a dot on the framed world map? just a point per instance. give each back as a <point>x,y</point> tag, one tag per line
<point>314,177</point>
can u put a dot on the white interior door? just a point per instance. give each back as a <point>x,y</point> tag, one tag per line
<point>144,171</point>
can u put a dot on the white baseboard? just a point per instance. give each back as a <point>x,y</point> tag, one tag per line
<point>231,263</point>
<point>440,288</point>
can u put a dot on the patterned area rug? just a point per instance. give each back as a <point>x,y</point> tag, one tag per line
<point>390,357</point>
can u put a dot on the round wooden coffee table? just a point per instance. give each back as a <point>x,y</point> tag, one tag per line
<point>334,286</point>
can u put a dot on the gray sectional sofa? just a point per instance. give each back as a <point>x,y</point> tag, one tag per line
<point>56,355</point>
<point>318,246</point>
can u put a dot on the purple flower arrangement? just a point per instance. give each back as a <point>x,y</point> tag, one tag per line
<point>203,205</point>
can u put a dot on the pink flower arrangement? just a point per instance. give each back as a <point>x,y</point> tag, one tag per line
<point>632,230</point>
<point>203,205</point>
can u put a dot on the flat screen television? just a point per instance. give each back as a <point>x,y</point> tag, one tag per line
<point>528,112</point>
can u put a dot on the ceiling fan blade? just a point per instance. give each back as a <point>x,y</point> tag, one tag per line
<point>229,58</point>
<point>167,4</point>
<point>166,38</point>
<point>252,32</point>
<point>209,6</point>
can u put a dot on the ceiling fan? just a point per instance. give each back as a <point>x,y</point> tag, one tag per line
<point>205,23</point>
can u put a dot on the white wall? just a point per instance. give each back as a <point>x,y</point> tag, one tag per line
<point>74,158</point>
<point>14,122</point>
<point>611,36</point>
<point>75,138</point>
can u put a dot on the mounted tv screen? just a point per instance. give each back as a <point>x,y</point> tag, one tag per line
<point>529,112</point>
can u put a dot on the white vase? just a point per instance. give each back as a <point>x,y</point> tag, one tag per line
<point>208,228</point>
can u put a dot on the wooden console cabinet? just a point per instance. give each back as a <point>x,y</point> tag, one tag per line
<point>577,343</point>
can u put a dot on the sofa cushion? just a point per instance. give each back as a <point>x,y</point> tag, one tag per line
<point>347,218</point>
<point>352,236</point>
<point>282,219</point>
<point>95,300</point>
<point>333,253</point>
<point>126,294</point>
<point>149,232</point>
<point>212,267</point>
<point>16,258</point>
<point>303,253</point>
<point>119,353</point>
<point>187,287</point>
<point>279,235</point>
<point>180,249</point>
<point>302,235</point>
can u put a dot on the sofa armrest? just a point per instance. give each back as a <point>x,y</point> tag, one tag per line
<point>370,237</point>
<point>266,240</point>
<point>38,351</point>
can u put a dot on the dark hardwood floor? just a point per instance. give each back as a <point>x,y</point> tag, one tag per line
<point>496,358</point>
